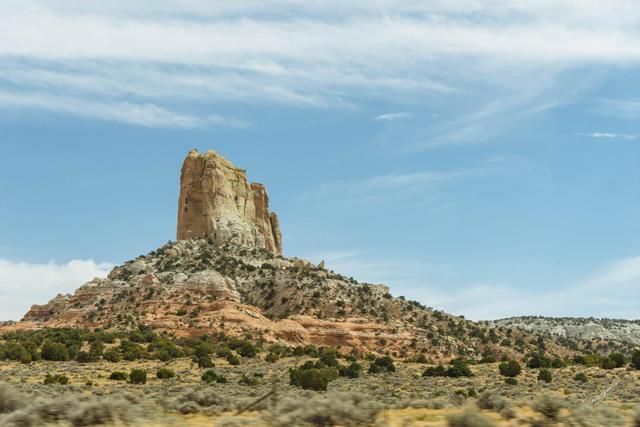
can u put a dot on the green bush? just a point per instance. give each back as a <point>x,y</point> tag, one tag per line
<point>85,357</point>
<point>138,376</point>
<point>545,375</point>
<point>55,351</point>
<point>382,364</point>
<point>132,351</point>
<point>204,362</point>
<point>538,360</point>
<point>233,360</point>
<point>635,359</point>
<point>435,371</point>
<point>118,376</point>
<point>271,358</point>
<point>581,377</point>
<point>246,349</point>
<point>56,379</point>
<point>165,373</point>
<point>459,369</point>
<point>209,376</point>
<point>350,371</point>
<point>510,369</point>
<point>112,355</point>
<point>252,382</point>
<point>511,381</point>
<point>312,378</point>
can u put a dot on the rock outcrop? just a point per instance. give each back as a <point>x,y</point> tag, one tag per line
<point>225,275</point>
<point>580,328</point>
<point>218,203</point>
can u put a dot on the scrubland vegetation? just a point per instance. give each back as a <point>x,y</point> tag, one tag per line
<point>81,378</point>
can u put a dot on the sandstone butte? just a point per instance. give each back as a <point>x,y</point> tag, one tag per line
<point>218,203</point>
<point>226,273</point>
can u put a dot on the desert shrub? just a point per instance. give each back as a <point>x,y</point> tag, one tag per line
<point>459,369</point>
<point>613,361</point>
<point>308,350</point>
<point>243,347</point>
<point>588,360</point>
<point>246,380</point>
<point>511,381</point>
<point>549,406</point>
<point>435,371</point>
<point>118,376</point>
<point>101,412</point>
<point>312,378</point>
<point>233,360</point>
<point>350,371</point>
<point>164,350</point>
<point>328,357</point>
<point>510,369</point>
<point>192,401</point>
<point>209,377</point>
<point>54,351</point>
<point>112,355</point>
<point>581,377</point>
<point>15,351</point>
<point>469,417</point>
<point>138,376</point>
<point>85,357</point>
<point>599,416</point>
<point>538,360</point>
<point>344,409</point>
<point>545,375</point>
<point>165,373</point>
<point>271,358</point>
<point>497,403</point>
<point>204,361</point>
<point>635,359</point>
<point>132,351</point>
<point>56,379</point>
<point>10,399</point>
<point>382,364</point>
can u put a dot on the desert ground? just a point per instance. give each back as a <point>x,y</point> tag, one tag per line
<point>400,398</point>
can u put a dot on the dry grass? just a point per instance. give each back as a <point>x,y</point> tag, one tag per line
<point>402,398</point>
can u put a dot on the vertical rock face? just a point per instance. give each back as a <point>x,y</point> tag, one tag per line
<point>217,202</point>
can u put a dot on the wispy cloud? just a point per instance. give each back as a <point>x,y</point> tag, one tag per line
<point>612,291</point>
<point>23,284</point>
<point>627,108</point>
<point>307,54</point>
<point>416,185</point>
<point>148,114</point>
<point>611,135</point>
<point>393,116</point>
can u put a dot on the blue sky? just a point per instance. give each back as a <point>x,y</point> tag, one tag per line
<point>481,157</point>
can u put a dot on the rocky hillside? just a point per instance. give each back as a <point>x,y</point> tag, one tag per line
<point>226,274</point>
<point>578,328</point>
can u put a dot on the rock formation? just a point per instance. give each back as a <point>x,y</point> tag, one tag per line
<point>225,274</point>
<point>218,203</point>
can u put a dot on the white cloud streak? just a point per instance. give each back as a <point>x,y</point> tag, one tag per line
<point>332,54</point>
<point>612,292</point>
<point>611,135</point>
<point>147,115</point>
<point>393,116</point>
<point>23,284</point>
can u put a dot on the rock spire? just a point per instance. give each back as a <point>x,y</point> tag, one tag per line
<point>218,203</point>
